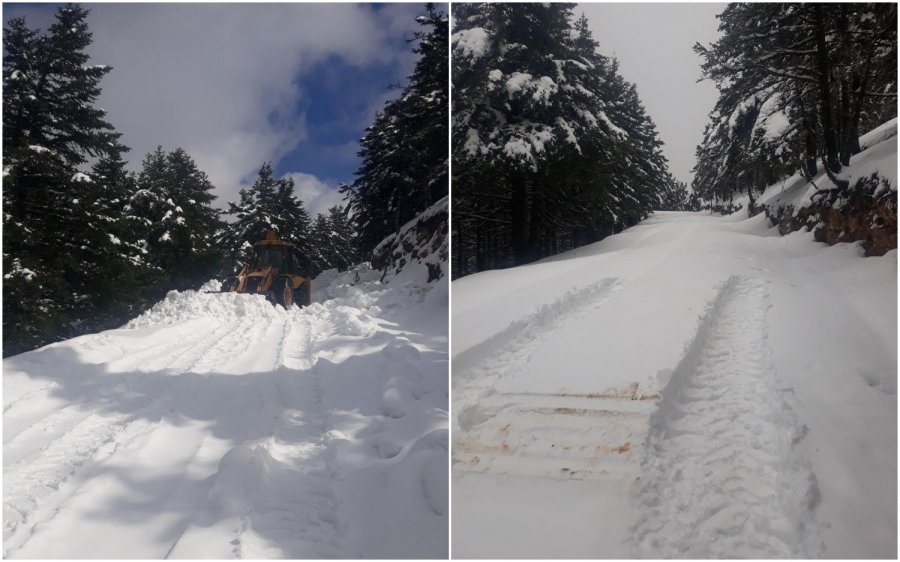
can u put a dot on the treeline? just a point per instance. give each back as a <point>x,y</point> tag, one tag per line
<point>89,244</point>
<point>798,84</point>
<point>552,148</point>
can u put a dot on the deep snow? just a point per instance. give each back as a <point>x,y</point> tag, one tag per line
<point>219,426</point>
<point>696,386</point>
<point>879,156</point>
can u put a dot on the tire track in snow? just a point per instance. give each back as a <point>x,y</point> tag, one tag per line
<point>183,354</point>
<point>559,436</point>
<point>45,429</point>
<point>307,516</point>
<point>233,343</point>
<point>303,520</point>
<point>33,492</point>
<point>720,478</point>
<point>294,513</point>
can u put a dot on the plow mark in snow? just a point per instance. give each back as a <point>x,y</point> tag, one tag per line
<point>590,437</point>
<point>720,477</point>
<point>279,491</point>
<point>289,472</point>
<point>32,493</point>
<point>562,436</point>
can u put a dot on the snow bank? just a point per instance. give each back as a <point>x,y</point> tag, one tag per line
<point>419,251</point>
<point>879,156</point>
<point>178,306</point>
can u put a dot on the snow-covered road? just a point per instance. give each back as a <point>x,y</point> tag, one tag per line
<point>219,426</point>
<point>696,386</point>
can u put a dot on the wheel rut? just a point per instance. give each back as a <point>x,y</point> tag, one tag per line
<point>720,478</point>
<point>33,492</point>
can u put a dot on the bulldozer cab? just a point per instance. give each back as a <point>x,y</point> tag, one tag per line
<point>277,254</point>
<point>277,257</point>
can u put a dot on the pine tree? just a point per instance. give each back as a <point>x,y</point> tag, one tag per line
<point>174,202</point>
<point>60,261</point>
<point>552,148</point>
<point>269,204</point>
<point>798,83</point>
<point>404,151</point>
<point>332,235</point>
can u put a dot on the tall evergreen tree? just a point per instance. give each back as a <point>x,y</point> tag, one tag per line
<point>797,84</point>
<point>333,239</point>
<point>404,151</point>
<point>269,204</point>
<point>174,200</point>
<point>62,258</point>
<point>552,148</point>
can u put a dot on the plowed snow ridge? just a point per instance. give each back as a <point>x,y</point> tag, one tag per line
<point>720,477</point>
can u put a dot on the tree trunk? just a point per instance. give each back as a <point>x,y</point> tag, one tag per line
<point>845,110</point>
<point>831,157</point>
<point>860,86</point>
<point>536,248</point>
<point>751,207</point>
<point>520,221</point>
<point>811,168</point>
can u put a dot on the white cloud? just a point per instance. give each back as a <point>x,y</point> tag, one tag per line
<point>220,80</point>
<point>317,195</point>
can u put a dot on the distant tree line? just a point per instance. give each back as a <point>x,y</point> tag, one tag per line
<point>798,84</point>
<point>88,244</point>
<point>552,148</point>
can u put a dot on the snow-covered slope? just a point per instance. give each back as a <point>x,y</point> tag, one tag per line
<point>219,426</point>
<point>696,386</point>
<point>879,155</point>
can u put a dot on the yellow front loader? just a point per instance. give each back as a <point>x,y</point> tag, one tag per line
<point>275,273</point>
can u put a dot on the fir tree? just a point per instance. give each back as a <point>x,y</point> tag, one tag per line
<point>173,201</point>
<point>404,151</point>
<point>552,148</point>
<point>62,259</point>
<point>269,204</point>
<point>797,84</point>
<point>333,240</point>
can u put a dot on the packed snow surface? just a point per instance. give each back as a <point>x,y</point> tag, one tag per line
<point>694,387</point>
<point>219,426</point>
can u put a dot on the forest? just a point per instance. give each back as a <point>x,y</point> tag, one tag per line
<point>798,84</point>
<point>552,148</point>
<point>90,243</point>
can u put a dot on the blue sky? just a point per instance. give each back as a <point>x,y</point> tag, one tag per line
<point>239,84</point>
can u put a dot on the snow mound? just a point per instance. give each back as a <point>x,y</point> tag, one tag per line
<point>243,472</point>
<point>178,306</point>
